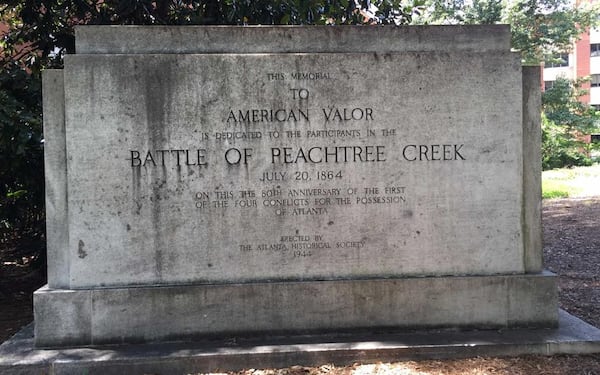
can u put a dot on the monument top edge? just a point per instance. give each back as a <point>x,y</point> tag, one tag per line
<point>107,39</point>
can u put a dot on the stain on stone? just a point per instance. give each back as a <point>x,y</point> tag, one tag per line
<point>128,227</point>
<point>330,223</point>
<point>407,213</point>
<point>158,263</point>
<point>138,207</point>
<point>80,252</point>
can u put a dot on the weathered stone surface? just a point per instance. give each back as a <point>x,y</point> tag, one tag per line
<point>257,185</point>
<point>380,174</point>
<point>146,314</point>
<point>55,160</point>
<point>18,356</point>
<point>62,317</point>
<point>532,169</point>
<point>291,39</point>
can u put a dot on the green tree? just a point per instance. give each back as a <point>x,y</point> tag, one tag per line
<point>459,12</point>
<point>564,121</point>
<point>540,28</point>
<point>21,159</point>
<point>543,28</point>
<point>46,26</point>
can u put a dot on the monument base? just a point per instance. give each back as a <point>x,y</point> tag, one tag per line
<point>194,312</point>
<point>18,356</point>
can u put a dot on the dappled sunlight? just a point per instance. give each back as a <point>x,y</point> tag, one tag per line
<point>474,366</point>
<point>387,368</point>
<point>528,365</point>
<point>565,209</point>
<point>578,182</point>
<point>558,365</point>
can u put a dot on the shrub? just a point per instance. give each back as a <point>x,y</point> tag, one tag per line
<point>21,155</point>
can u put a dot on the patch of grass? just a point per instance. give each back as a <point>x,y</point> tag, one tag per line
<point>571,182</point>
<point>555,189</point>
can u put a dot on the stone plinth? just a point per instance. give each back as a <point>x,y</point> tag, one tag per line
<point>273,180</point>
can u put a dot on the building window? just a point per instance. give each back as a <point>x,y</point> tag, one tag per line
<point>558,61</point>
<point>595,80</point>
<point>548,85</point>
<point>595,49</point>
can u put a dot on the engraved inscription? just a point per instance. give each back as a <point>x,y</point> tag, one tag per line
<point>303,158</point>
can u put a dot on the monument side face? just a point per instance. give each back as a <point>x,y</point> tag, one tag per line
<point>532,170</point>
<point>234,168</point>
<point>55,168</point>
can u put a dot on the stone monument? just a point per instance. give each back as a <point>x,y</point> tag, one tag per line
<point>234,181</point>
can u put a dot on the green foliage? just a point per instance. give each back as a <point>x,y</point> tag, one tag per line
<point>564,121</point>
<point>553,189</point>
<point>464,12</point>
<point>540,28</point>
<point>484,12</point>
<point>46,26</point>
<point>571,182</point>
<point>21,154</point>
<point>543,28</point>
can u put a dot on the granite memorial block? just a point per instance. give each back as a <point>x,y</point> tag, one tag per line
<point>215,181</point>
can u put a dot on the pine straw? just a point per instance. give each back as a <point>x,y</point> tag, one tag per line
<point>526,365</point>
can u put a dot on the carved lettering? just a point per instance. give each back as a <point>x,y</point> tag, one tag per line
<point>347,114</point>
<point>175,157</point>
<point>318,154</point>
<point>267,115</point>
<point>432,152</point>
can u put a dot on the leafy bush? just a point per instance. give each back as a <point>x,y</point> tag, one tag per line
<point>554,192</point>
<point>559,151</point>
<point>564,121</point>
<point>21,154</point>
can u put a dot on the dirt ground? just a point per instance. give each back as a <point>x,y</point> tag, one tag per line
<point>571,249</point>
<point>18,280</point>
